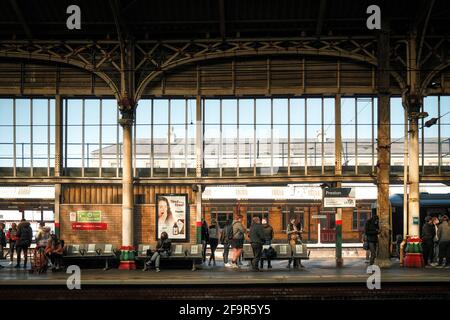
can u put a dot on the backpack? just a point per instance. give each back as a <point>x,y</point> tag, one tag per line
<point>238,235</point>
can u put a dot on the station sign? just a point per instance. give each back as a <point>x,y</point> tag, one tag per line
<point>89,216</point>
<point>89,226</point>
<point>339,198</point>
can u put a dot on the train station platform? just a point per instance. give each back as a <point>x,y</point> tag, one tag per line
<point>317,271</point>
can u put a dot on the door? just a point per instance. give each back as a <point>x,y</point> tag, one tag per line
<point>328,227</point>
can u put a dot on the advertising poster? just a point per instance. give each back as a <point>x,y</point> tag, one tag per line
<point>172,216</point>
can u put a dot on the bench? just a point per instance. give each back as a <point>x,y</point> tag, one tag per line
<point>105,252</point>
<point>179,252</point>
<point>284,252</point>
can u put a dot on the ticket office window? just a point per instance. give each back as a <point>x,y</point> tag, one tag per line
<point>359,219</point>
<point>293,213</point>
<point>222,215</point>
<point>261,213</point>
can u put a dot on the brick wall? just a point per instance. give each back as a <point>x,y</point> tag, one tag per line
<point>111,215</point>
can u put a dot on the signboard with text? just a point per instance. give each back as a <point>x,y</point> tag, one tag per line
<point>339,198</point>
<point>89,226</point>
<point>89,216</point>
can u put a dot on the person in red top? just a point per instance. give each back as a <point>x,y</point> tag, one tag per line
<point>11,237</point>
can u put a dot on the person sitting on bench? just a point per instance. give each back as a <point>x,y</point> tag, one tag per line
<point>162,249</point>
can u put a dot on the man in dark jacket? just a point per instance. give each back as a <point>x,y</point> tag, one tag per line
<point>372,229</point>
<point>24,236</point>
<point>257,239</point>
<point>268,236</point>
<point>428,234</point>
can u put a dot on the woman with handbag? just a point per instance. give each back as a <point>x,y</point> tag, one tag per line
<point>294,234</point>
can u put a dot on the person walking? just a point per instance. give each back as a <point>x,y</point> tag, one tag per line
<point>237,242</point>
<point>257,238</point>
<point>444,243</point>
<point>225,238</point>
<point>24,237</point>
<point>268,236</point>
<point>163,248</point>
<point>204,239</point>
<point>213,232</point>
<point>428,234</point>
<point>11,237</point>
<point>372,229</point>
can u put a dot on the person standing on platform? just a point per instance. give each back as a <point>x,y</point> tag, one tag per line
<point>204,238</point>
<point>2,241</point>
<point>257,238</point>
<point>444,243</point>
<point>294,234</point>
<point>428,234</point>
<point>268,236</point>
<point>213,232</point>
<point>24,236</point>
<point>372,229</point>
<point>237,243</point>
<point>225,237</point>
<point>11,237</point>
<point>435,242</point>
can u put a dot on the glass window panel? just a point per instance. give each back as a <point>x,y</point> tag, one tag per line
<point>397,133</point>
<point>297,145</point>
<point>297,113</point>
<point>161,111</point>
<point>314,131</point>
<point>430,104</point>
<point>229,111</point>
<point>329,133</point>
<point>280,111</point>
<point>177,146</point>
<point>280,148</point>
<point>6,133</point>
<point>348,131</point>
<point>211,146</point>
<point>212,111</point>
<point>445,132</point>
<point>177,111</point>
<point>263,111</point>
<point>263,149</point>
<point>246,112</point>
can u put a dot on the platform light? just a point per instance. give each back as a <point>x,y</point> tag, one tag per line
<point>431,122</point>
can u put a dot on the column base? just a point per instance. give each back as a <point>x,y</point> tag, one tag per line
<point>339,262</point>
<point>383,263</point>
<point>127,265</point>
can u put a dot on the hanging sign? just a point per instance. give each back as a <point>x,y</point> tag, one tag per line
<point>339,198</point>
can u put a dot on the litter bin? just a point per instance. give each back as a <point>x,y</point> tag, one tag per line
<point>414,256</point>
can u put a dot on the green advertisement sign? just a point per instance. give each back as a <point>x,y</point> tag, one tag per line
<point>89,216</point>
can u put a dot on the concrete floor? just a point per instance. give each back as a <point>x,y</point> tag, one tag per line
<point>315,271</point>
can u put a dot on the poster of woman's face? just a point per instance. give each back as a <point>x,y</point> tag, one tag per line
<point>172,216</point>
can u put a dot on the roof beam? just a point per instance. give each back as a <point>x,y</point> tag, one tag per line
<point>21,18</point>
<point>118,19</point>
<point>424,30</point>
<point>222,18</point>
<point>321,16</point>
